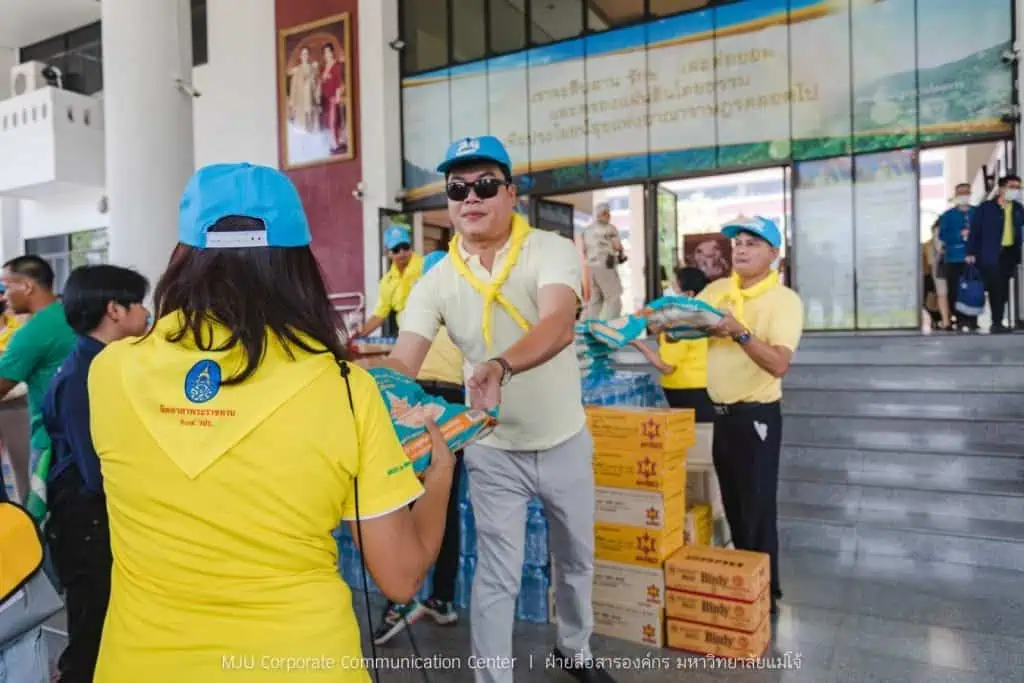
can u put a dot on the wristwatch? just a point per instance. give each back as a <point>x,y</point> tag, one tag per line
<point>743,338</point>
<point>506,370</point>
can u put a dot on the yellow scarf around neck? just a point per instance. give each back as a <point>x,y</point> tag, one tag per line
<point>735,296</point>
<point>491,291</point>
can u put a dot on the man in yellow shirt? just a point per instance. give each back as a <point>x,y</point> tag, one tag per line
<point>750,352</point>
<point>994,244</point>
<point>406,268</point>
<point>441,375</point>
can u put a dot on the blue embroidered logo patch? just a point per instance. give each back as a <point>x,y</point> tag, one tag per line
<point>202,382</point>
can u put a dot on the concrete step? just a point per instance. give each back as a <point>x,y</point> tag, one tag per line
<point>878,502</point>
<point>914,481</point>
<point>910,355</point>
<point>833,529</point>
<point>934,405</point>
<point>859,377</point>
<point>951,469</point>
<point>943,434</point>
<point>894,341</point>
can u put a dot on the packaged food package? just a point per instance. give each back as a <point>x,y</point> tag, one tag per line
<point>411,408</point>
<point>681,317</point>
<point>619,332</point>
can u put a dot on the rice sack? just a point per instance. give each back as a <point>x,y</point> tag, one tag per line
<point>411,408</point>
<point>619,332</point>
<point>681,317</point>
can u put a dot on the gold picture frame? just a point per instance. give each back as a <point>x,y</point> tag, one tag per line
<point>316,117</point>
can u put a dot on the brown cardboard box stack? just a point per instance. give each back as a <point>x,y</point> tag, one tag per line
<point>640,474</point>
<point>717,601</point>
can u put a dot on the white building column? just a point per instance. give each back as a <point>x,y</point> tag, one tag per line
<point>381,127</point>
<point>149,142</point>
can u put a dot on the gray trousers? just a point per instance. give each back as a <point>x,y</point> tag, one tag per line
<point>605,301</point>
<point>500,485</point>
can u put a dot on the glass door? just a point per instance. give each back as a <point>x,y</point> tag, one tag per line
<point>668,237</point>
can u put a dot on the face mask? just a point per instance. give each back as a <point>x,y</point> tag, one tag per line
<point>1012,194</point>
<point>962,199</point>
<point>776,262</point>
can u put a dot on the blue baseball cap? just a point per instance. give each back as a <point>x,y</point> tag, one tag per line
<point>259,192</point>
<point>432,259</point>
<point>756,226</point>
<point>483,148</point>
<point>397,234</point>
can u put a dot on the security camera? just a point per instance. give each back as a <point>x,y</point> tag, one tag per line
<point>187,88</point>
<point>1009,56</point>
<point>1011,115</point>
<point>54,76</point>
<point>397,44</point>
<point>400,195</point>
<point>360,191</point>
<point>103,206</point>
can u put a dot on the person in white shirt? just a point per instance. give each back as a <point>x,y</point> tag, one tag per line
<point>603,251</point>
<point>507,295</point>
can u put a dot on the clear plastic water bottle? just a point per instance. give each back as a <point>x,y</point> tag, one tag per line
<point>536,554</point>
<point>532,604</point>
<point>464,581</point>
<point>467,530</point>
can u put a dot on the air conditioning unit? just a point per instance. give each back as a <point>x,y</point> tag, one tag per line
<point>27,77</point>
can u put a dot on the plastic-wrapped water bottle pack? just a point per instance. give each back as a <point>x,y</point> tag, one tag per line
<point>620,388</point>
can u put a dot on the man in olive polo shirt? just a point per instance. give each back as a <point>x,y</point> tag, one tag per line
<point>37,349</point>
<point>750,351</point>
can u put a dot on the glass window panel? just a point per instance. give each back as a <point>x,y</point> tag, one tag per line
<point>822,269</point>
<point>425,32</point>
<point>884,75</point>
<point>605,14</point>
<point>508,26</point>
<point>752,82</point>
<point>553,20</point>
<point>558,139</point>
<point>200,44</point>
<point>661,8</point>
<point>508,107</point>
<point>469,30</point>
<point>821,87</point>
<point>44,50</point>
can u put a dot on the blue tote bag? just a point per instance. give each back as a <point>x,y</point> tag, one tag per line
<point>970,297</point>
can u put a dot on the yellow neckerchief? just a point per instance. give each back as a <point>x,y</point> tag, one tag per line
<point>491,291</point>
<point>403,280</point>
<point>735,296</point>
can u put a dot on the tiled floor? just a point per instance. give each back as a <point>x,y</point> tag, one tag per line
<point>845,619</point>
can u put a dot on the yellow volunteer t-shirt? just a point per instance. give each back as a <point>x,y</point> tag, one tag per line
<point>444,361</point>
<point>775,317</point>
<point>11,325</point>
<point>395,287</point>
<point>222,500</point>
<point>690,358</point>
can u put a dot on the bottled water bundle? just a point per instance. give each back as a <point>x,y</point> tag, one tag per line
<point>532,604</point>
<point>623,389</point>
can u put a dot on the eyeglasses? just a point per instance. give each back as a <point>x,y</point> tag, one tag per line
<point>484,188</point>
<point>399,248</point>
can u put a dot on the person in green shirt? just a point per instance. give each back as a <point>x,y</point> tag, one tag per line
<point>37,349</point>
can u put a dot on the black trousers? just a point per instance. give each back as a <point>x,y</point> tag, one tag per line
<point>447,567</point>
<point>997,281</point>
<point>696,399</point>
<point>955,271</point>
<point>78,535</point>
<point>747,442</point>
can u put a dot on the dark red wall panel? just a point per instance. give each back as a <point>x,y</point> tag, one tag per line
<point>335,216</point>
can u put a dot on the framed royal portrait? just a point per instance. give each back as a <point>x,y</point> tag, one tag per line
<point>316,117</point>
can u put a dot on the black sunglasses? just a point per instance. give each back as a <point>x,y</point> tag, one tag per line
<point>484,188</point>
<point>399,248</point>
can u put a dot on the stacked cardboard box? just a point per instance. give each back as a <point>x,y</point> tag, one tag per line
<point>717,602</point>
<point>640,473</point>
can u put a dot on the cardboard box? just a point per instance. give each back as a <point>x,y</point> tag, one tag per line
<point>717,641</point>
<point>711,611</point>
<point>636,624</point>
<point>642,471</point>
<point>632,429</point>
<point>699,528</point>
<point>702,487</point>
<point>737,574</point>
<point>700,452</point>
<point>648,509</point>
<point>636,545</point>
<point>626,584</point>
